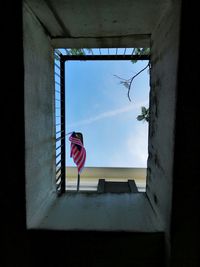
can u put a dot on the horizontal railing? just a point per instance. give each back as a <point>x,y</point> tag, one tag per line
<point>106,57</point>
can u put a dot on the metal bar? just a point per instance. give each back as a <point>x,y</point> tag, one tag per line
<point>60,162</point>
<point>58,132</point>
<point>57,83</point>
<point>58,75</point>
<point>59,92</point>
<point>133,51</point>
<point>58,187</point>
<point>58,154</point>
<point>59,138</point>
<point>106,57</point>
<point>57,66</point>
<point>116,50</point>
<point>58,147</point>
<point>58,52</point>
<point>100,51</point>
<point>57,178</point>
<point>57,56</point>
<point>78,182</point>
<point>62,183</point>
<point>57,163</point>
<point>58,170</point>
<point>124,51</point>
<point>67,51</point>
<point>62,89</point>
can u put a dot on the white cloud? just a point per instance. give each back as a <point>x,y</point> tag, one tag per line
<point>137,145</point>
<point>132,151</point>
<point>107,114</point>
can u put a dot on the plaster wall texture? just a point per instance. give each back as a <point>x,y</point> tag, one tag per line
<point>164,67</point>
<point>39,99</point>
<point>33,247</point>
<point>77,19</point>
<point>40,170</point>
<point>102,212</point>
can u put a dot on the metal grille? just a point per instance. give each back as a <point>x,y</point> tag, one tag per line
<point>59,71</point>
<point>104,54</point>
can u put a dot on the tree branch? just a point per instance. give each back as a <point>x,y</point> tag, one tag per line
<point>131,80</point>
<point>120,77</point>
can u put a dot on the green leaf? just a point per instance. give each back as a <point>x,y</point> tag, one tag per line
<point>133,61</point>
<point>125,83</point>
<point>137,51</point>
<point>146,51</point>
<point>140,117</point>
<point>89,50</point>
<point>144,110</point>
<point>141,51</point>
<point>76,52</point>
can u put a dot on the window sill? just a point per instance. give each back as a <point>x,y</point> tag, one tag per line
<point>101,212</point>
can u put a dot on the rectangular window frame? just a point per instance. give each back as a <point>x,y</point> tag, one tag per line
<point>60,140</point>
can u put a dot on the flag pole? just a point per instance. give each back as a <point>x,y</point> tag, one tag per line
<point>78,182</point>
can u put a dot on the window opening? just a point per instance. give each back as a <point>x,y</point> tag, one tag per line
<point>91,55</point>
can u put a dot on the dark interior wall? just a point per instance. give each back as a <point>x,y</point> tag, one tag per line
<point>12,148</point>
<point>23,248</point>
<point>39,119</point>
<point>185,205</point>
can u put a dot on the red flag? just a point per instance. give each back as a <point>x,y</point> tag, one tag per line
<point>78,152</point>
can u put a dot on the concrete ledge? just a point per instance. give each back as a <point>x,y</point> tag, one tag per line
<point>102,212</point>
<point>135,40</point>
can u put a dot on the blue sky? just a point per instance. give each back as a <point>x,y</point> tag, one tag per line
<point>97,105</point>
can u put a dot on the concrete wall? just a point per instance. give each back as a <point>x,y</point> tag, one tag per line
<point>164,67</point>
<point>102,212</point>
<point>33,247</point>
<point>39,115</point>
<point>39,99</point>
